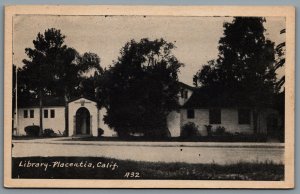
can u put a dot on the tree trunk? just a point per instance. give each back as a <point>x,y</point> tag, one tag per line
<point>41,112</point>
<point>255,121</point>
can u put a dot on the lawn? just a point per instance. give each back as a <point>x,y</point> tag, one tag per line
<point>108,168</point>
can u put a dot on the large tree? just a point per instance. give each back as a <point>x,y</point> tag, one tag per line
<point>140,88</point>
<point>245,63</point>
<point>54,69</point>
<point>245,67</point>
<point>280,61</point>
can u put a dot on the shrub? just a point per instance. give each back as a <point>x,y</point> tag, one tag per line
<point>220,130</point>
<point>281,135</point>
<point>32,130</point>
<point>189,130</point>
<point>48,133</point>
<point>208,129</point>
<point>64,133</point>
<point>100,132</point>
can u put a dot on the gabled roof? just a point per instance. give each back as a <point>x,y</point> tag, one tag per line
<point>47,102</point>
<point>215,97</point>
<point>183,85</point>
<point>82,96</point>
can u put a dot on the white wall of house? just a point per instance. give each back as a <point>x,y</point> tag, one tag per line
<point>57,123</point>
<point>59,120</point>
<point>173,121</point>
<point>229,120</point>
<point>108,132</point>
<point>184,95</point>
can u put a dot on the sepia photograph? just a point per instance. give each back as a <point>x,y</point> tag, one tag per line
<point>149,97</point>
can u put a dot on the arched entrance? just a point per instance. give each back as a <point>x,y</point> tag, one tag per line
<point>83,121</point>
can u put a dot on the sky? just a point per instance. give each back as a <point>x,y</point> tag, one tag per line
<point>196,38</point>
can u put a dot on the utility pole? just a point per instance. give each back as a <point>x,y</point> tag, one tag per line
<point>16,115</point>
<point>41,102</point>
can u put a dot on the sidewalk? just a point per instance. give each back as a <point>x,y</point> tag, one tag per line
<point>68,141</point>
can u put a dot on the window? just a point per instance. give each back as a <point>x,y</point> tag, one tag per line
<point>25,113</point>
<point>45,113</point>
<point>215,116</point>
<point>190,114</point>
<point>186,94</point>
<point>31,113</point>
<point>52,113</point>
<point>181,93</point>
<point>244,116</point>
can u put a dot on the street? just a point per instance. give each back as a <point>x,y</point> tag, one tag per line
<point>189,152</point>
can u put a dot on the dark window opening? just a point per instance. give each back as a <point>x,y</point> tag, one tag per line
<point>244,116</point>
<point>45,113</point>
<point>31,113</point>
<point>185,94</point>
<point>190,114</point>
<point>181,93</point>
<point>214,116</point>
<point>52,113</point>
<point>25,114</point>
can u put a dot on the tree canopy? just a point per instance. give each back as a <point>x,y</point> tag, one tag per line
<point>280,51</point>
<point>54,68</point>
<point>140,88</point>
<point>245,64</point>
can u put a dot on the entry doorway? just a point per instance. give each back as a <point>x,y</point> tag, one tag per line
<point>83,121</point>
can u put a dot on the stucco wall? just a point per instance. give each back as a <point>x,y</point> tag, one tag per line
<point>181,100</point>
<point>108,132</point>
<point>173,121</point>
<point>229,120</point>
<point>57,123</point>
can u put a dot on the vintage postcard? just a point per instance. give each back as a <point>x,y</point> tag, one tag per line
<point>149,97</point>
